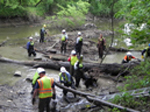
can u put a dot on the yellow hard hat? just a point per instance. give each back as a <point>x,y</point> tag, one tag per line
<point>44,25</point>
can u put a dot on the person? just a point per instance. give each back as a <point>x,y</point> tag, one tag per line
<point>79,71</point>
<point>128,57</point>
<point>66,79</point>
<point>45,87</point>
<point>79,43</point>
<point>147,51</point>
<point>42,33</point>
<point>72,59</point>
<point>101,45</point>
<point>35,78</point>
<point>64,39</point>
<point>30,47</point>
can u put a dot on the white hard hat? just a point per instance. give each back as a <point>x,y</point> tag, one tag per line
<point>62,69</point>
<point>79,33</point>
<point>63,30</point>
<point>129,54</point>
<point>73,52</point>
<point>40,70</point>
<point>30,38</point>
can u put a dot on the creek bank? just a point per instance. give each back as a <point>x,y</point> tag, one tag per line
<point>105,85</point>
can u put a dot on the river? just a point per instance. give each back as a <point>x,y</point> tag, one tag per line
<point>17,37</point>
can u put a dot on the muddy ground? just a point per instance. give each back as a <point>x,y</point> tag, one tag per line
<point>17,98</point>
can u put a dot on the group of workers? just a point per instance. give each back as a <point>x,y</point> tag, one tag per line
<point>78,44</point>
<point>127,58</point>
<point>44,86</point>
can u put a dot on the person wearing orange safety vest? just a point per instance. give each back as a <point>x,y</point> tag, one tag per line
<point>46,89</point>
<point>64,39</point>
<point>72,59</point>
<point>128,58</point>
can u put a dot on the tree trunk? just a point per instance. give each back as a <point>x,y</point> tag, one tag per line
<point>100,102</point>
<point>112,69</point>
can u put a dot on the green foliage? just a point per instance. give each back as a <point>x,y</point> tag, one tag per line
<point>137,12</point>
<point>139,78</point>
<point>10,8</point>
<point>73,14</point>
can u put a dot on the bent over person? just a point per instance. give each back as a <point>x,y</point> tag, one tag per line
<point>127,58</point>
<point>30,47</point>
<point>66,79</point>
<point>45,88</point>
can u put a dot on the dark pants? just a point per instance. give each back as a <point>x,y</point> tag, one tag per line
<point>123,61</point>
<point>71,70</point>
<point>68,85</point>
<point>32,88</point>
<point>63,46</point>
<point>78,75</point>
<point>42,39</point>
<point>78,48</point>
<point>30,52</point>
<point>44,103</point>
<point>100,51</point>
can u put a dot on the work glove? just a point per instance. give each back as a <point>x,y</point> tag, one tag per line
<point>33,101</point>
<point>54,96</point>
<point>142,56</point>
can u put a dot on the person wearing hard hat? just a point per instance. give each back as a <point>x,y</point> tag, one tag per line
<point>147,51</point>
<point>72,59</point>
<point>79,71</point>
<point>66,79</point>
<point>79,43</point>
<point>128,57</point>
<point>46,89</point>
<point>42,33</point>
<point>101,45</point>
<point>64,39</point>
<point>34,80</point>
<point>30,47</point>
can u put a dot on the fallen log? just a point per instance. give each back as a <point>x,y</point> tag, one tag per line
<point>94,99</point>
<point>3,43</point>
<point>112,69</point>
<point>74,91</point>
<point>100,102</point>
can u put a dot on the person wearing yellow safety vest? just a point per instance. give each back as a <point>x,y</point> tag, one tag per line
<point>64,39</point>
<point>72,59</point>
<point>46,89</point>
<point>79,71</point>
<point>79,43</point>
<point>66,79</point>
<point>30,47</point>
<point>101,45</point>
<point>34,80</point>
<point>147,51</point>
<point>42,33</point>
